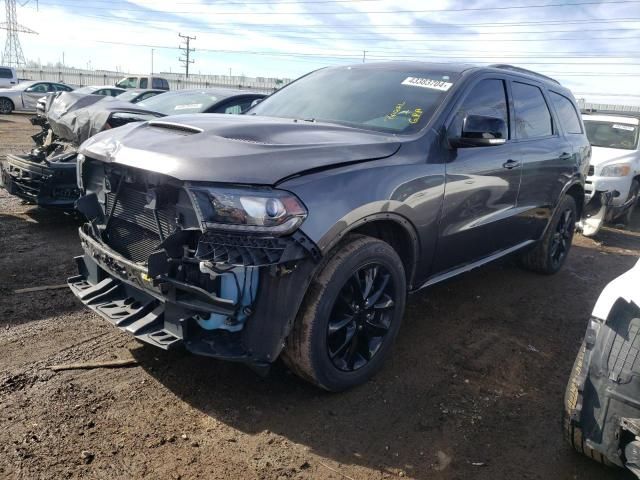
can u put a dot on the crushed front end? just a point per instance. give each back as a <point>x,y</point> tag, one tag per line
<point>183,264</point>
<point>44,181</point>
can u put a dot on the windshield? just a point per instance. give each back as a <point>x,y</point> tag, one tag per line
<point>385,97</point>
<point>180,102</point>
<point>85,90</point>
<point>611,134</point>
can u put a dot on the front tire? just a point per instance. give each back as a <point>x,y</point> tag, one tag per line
<point>550,253</point>
<point>350,316</point>
<point>6,106</point>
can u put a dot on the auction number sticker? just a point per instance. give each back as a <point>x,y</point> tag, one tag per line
<point>624,127</point>
<point>190,106</point>
<point>427,83</point>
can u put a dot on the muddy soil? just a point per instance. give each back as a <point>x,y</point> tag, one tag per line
<point>473,390</point>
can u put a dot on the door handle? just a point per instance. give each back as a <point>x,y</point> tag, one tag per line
<point>509,164</point>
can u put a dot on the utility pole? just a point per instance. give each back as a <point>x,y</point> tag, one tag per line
<point>12,55</point>
<point>152,61</point>
<point>364,55</point>
<point>187,52</point>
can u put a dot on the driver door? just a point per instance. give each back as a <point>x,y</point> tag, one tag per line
<point>482,185</point>
<point>34,93</point>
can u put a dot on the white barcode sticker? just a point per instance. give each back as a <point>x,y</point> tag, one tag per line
<point>624,127</point>
<point>190,106</point>
<point>427,83</point>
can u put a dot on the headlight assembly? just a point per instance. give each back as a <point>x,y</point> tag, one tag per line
<point>615,170</point>
<point>79,162</point>
<point>259,210</point>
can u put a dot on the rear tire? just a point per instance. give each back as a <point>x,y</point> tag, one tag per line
<point>350,316</point>
<point>551,251</point>
<point>6,106</point>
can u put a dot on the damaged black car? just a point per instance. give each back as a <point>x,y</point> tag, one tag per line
<point>297,230</point>
<point>46,176</point>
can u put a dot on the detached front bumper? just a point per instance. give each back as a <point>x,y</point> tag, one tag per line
<point>40,183</point>
<point>169,314</point>
<point>621,185</point>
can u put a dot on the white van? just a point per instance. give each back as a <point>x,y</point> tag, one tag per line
<point>8,77</point>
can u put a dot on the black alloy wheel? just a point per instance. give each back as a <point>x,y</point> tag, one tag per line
<point>562,237</point>
<point>361,317</point>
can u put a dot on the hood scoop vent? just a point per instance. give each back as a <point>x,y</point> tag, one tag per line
<point>247,140</point>
<point>176,127</point>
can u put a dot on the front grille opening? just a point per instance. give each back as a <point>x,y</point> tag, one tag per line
<point>136,230</point>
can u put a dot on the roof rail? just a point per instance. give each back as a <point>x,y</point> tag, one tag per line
<point>505,66</point>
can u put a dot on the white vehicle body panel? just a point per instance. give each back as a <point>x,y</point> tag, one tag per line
<point>626,286</point>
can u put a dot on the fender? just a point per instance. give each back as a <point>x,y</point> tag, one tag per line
<point>348,224</point>
<point>576,180</point>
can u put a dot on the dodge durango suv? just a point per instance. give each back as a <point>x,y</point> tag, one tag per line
<point>298,229</point>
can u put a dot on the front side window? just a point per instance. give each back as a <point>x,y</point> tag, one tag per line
<point>39,88</point>
<point>384,97</point>
<point>488,99</point>
<point>567,114</point>
<point>611,134</point>
<point>533,119</point>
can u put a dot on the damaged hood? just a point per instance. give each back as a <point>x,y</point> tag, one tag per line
<point>237,148</point>
<point>602,155</point>
<point>75,117</point>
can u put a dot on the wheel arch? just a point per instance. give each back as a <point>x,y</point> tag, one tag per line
<point>391,228</point>
<point>576,190</point>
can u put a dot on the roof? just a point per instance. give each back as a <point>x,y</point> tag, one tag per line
<point>219,92</point>
<point>458,69</point>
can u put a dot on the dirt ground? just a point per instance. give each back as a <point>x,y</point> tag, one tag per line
<point>473,389</point>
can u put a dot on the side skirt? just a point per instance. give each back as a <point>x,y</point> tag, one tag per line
<point>470,266</point>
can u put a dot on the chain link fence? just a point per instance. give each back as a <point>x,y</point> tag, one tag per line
<point>79,77</point>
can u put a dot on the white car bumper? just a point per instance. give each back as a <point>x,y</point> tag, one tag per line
<point>609,184</point>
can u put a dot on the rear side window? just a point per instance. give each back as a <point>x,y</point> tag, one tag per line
<point>486,98</point>
<point>144,83</point>
<point>6,73</point>
<point>567,114</point>
<point>533,119</point>
<point>160,84</point>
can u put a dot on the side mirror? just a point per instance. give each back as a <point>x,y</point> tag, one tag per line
<point>255,102</point>
<point>29,89</point>
<point>480,131</point>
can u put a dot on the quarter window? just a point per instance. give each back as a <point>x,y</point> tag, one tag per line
<point>144,83</point>
<point>6,73</point>
<point>487,98</point>
<point>567,114</point>
<point>533,119</point>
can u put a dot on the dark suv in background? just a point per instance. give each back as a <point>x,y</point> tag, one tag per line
<point>300,227</point>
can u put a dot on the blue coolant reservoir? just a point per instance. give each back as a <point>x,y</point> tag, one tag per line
<point>246,278</point>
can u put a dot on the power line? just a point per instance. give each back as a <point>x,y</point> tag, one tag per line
<point>187,52</point>
<point>363,12</point>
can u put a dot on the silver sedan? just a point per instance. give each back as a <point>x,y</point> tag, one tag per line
<point>25,95</point>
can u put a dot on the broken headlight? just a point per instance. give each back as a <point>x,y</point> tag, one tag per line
<point>259,210</point>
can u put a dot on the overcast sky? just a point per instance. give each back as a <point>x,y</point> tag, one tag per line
<point>592,47</point>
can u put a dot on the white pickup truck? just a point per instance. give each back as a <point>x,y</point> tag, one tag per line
<point>613,182</point>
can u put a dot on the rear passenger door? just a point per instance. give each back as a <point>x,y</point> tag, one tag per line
<point>547,157</point>
<point>481,185</point>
